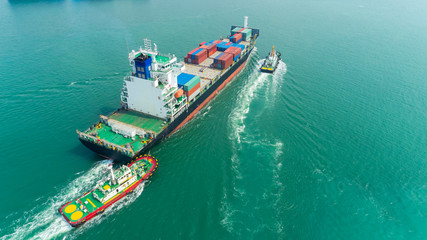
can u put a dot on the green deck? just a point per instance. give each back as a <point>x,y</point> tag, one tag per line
<point>162,59</point>
<point>139,120</point>
<point>132,118</point>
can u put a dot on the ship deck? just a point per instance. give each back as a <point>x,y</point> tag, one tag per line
<point>139,120</point>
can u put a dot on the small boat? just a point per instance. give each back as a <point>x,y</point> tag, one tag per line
<point>118,184</point>
<point>271,61</point>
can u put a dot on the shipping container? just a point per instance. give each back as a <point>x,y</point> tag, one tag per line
<point>199,56</point>
<point>236,38</point>
<point>210,47</point>
<point>183,78</point>
<point>193,89</point>
<point>191,83</point>
<point>218,57</point>
<point>234,51</point>
<point>223,61</point>
<point>236,57</point>
<point>194,94</point>
<point>189,54</point>
<point>202,43</point>
<point>222,46</point>
<point>193,55</point>
<point>246,34</point>
<point>241,46</point>
<point>236,30</point>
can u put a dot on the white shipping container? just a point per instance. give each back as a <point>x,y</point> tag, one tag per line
<point>195,93</point>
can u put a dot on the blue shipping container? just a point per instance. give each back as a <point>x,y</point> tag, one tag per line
<point>236,57</point>
<point>241,46</point>
<point>217,57</point>
<point>183,78</point>
<point>193,55</point>
<point>222,47</point>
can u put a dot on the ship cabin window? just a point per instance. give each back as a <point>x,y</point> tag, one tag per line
<point>138,69</point>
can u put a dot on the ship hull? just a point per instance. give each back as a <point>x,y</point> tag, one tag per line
<point>118,157</point>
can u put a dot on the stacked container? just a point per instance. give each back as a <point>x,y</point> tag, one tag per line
<point>241,46</point>
<point>223,60</point>
<point>190,84</point>
<point>222,46</point>
<point>235,51</point>
<point>192,88</point>
<point>196,56</point>
<point>236,30</point>
<point>184,78</point>
<point>202,43</point>
<point>246,34</point>
<point>236,38</point>
<point>210,47</point>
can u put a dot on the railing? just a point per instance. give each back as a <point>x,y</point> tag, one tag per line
<point>105,143</point>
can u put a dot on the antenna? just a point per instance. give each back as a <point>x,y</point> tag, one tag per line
<point>147,44</point>
<point>246,22</point>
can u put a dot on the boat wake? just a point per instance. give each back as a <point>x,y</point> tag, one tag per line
<point>44,221</point>
<point>245,141</point>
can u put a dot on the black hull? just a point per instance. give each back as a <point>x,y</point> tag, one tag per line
<point>121,158</point>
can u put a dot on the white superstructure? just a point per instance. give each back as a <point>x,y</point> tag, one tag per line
<point>151,87</point>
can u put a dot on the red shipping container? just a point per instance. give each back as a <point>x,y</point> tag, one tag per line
<point>234,51</point>
<point>189,93</point>
<point>200,56</point>
<point>187,59</point>
<point>211,48</point>
<point>236,37</point>
<point>201,44</point>
<point>241,30</point>
<point>189,54</point>
<point>224,61</point>
<point>217,41</point>
<point>229,43</point>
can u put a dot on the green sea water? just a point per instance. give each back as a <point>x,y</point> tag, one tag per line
<point>332,146</point>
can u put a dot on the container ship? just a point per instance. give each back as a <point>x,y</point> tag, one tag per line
<point>161,94</point>
<point>121,181</point>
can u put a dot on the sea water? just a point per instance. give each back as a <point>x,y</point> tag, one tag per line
<point>331,146</point>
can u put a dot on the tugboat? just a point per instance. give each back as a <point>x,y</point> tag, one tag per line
<point>271,61</point>
<point>108,191</point>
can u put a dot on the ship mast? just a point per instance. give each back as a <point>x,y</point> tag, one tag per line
<point>272,51</point>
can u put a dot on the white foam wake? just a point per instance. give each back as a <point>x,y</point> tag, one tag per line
<point>246,95</point>
<point>44,222</point>
<point>257,81</point>
<point>276,83</point>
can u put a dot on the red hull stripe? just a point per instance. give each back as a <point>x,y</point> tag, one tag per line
<point>189,117</point>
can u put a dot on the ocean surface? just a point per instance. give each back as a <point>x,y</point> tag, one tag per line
<point>332,146</point>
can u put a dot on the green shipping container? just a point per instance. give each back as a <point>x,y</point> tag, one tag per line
<point>246,34</point>
<point>235,30</point>
<point>190,84</point>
